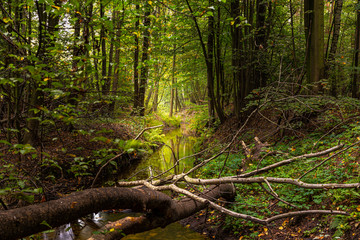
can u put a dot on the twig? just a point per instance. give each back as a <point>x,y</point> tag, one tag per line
<point>327,159</point>
<point>102,167</point>
<point>288,161</point>
<point>145,129</point>
<point>3,204</point>
<point>275,195</point>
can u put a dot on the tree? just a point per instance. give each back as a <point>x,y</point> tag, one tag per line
<point>136,60</point>
<point>355,79</point>
<point>330,59</point>
<point>314,34</point>
<point>144,59</point>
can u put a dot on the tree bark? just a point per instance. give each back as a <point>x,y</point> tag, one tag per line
<point>144,60</point>
<point>330,63</point>
<point>105,87</point>
<point>21,222</point>
<point>136,60</point>
<point>172,88</point>
<point>314,32</point>
<point>355,84</point>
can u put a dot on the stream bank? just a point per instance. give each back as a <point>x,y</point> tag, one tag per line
<point>176,146</point>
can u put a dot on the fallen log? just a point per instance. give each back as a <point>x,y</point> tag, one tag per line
<point>176,211</point>
<point>160,208</point>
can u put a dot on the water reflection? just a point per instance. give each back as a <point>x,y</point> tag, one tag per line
<point>83,230</point>
<point>176,146</point>
<point>173,231</point>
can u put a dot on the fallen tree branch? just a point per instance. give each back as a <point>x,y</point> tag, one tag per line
<point>327,159</point>
<point>296,182</point>
<point>290,160</point>
<point>207,200</point>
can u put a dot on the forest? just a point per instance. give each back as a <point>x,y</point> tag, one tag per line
<point>238,119</point>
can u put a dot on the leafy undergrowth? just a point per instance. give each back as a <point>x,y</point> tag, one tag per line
<point>303,132</point>
<point>67,160</point>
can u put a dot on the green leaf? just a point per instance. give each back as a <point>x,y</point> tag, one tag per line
<point>45,223</point>
<point>5,142</point>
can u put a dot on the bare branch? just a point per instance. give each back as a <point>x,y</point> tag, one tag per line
<point>327,159</point>
<point>288,161</point>
<point>298,183</point>
<point>145,129</point>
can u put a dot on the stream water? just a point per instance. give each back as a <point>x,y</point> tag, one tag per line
<point>176,146</point>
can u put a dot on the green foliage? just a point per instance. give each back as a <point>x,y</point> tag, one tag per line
<point>343,168</point>
<point>17,186</point>
<point>155,135</point>
<point>79,167</point>
<point>341,225</point>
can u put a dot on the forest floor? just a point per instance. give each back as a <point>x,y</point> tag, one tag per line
<point>212,223</point>
<point>66,147</point>
<point>65,161</point>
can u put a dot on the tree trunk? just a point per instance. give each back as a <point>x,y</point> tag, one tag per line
<point>144,59</point>
<point>236,57</point>
<point>172,87</point>
<point>136,60</point>
<point>21,222</point>
<point>260,45</point>
<point>355,80</point>
<point>330,63</point>
<point>106,84</point>
<point>314,32</point>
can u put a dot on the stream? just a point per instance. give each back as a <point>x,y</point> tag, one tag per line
<point>176,146</point>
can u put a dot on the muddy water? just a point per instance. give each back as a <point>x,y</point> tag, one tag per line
<point>176,146</point>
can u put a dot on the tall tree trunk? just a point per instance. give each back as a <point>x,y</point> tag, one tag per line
<point>213,106</point>
<point>116,78</point>
<point>35,93</point>
<point>210,64</point>
<point>209,55</point>
<point>136,60</point>
<point>260,44</point>
<point>314,32</point>
<point>355,79</point>
<point>106,84</point>
<point>172,87</point>
<point>144,59</point>
<point>236,57</point>
<point>292,33</point>
<point>330,63</point>
<point>219,66</point>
